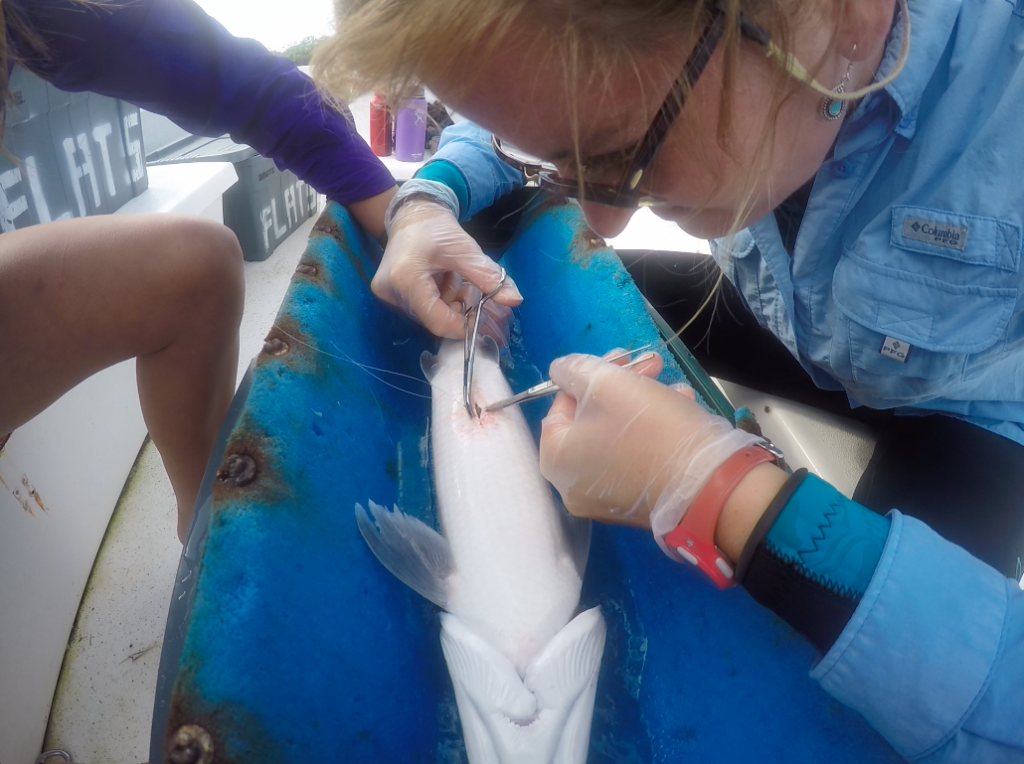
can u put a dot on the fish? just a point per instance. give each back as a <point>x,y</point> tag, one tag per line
<point>506,567</point>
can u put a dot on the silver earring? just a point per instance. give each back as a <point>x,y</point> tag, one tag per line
<point>832,108</point>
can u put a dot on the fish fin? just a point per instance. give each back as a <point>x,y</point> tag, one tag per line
<point>488,677</point>
<point>563,677</point>
<point>480,748</point>
<point>544,717</point>
<point>428,364</point>
<point>577,531</point>
<point>415,553</point>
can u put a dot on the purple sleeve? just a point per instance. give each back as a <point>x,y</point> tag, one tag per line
<point>170,57</point>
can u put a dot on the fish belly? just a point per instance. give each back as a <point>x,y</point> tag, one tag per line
<point>515,580</point>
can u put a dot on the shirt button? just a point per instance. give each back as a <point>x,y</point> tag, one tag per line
<point>841,169</point>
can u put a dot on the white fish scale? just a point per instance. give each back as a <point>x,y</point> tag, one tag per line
<point>516,583</point>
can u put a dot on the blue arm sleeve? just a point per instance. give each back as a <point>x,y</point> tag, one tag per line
<point>170,57</point>
<point>933,656</point>
<point>466,163</point>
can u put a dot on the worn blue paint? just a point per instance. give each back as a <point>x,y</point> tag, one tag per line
<point>300,647</point>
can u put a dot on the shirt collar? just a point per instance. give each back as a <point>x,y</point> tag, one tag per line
<point>932,24</point>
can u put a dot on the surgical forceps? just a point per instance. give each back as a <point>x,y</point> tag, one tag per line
<point>469,350</point>
<point>550,388</point>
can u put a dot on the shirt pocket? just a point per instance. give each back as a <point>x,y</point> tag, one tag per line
<point>938,305</point>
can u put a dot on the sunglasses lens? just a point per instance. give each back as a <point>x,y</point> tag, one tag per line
<point>596,193</point>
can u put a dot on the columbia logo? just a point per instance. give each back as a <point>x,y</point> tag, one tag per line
<point>937,233</point>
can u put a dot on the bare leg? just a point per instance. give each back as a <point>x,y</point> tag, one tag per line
<point>77,296</point>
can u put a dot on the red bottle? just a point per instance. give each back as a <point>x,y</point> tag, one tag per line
<point>382,126</point>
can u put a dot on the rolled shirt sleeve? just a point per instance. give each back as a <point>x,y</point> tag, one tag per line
<point>466,163</point>
<point>933,656</point>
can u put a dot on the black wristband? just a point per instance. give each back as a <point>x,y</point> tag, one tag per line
<point>766,521</point>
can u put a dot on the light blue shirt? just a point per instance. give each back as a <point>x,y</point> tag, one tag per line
<point>467,164</point>
<point>904,287</point>
<point>934,654</point>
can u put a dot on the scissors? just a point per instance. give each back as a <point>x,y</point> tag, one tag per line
<point>550,388</point>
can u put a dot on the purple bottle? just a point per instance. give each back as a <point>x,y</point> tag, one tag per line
<point>411,129</point>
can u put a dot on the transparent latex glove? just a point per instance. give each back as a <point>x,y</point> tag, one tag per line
<point>495,321</point>
<point>623,448</point>
<point>428,263</point>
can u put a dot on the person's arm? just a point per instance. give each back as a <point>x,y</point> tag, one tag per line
<point>466,163</point>
<point>369,213</point>
<point>924,640</point>
<point>170,57</point>
<point>933,655</point>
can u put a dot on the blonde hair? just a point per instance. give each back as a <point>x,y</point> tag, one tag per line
<point>388,44</point>
<point>11,21</point>
<point>393,45</point>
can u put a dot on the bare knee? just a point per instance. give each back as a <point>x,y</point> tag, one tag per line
<point>210,250</point>
<point>206,263</point>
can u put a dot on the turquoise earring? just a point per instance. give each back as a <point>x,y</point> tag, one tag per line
<point>832,108</point>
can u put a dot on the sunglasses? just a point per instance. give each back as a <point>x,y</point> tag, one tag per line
<point>626,194</point>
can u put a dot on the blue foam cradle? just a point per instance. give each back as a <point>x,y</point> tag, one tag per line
<point>288,642</point>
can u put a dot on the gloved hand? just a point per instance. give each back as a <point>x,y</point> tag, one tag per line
<point>428,264</point>
<point>623,448</point>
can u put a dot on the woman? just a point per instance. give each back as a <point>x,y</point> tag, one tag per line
<point>872,224</point>
<point>77,296</point>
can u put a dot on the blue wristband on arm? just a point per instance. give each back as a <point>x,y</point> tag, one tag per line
<point>441,171</point>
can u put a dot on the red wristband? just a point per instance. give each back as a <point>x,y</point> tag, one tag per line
<point>694,538</point>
